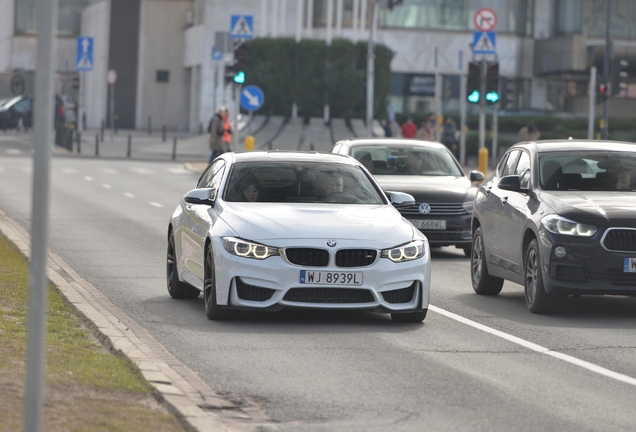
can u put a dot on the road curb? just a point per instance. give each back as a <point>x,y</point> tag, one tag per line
<point>183,393</point>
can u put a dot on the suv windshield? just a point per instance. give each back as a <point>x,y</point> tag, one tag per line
<point>311,182</point>
<point>588,171</point>
<point>406,160</point>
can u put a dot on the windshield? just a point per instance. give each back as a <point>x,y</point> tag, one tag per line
<point>588,171</point>
<point>7,101</point>
<point>310,182</point>
<point>406,160</point>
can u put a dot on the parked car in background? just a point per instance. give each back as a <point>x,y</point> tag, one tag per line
<point>13,110</point>
<point>274,230</point>
<point>559,218</point>
<point>429,172</point>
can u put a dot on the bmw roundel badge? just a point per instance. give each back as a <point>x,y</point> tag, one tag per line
<point>331,243</point>
<point>424,208</point>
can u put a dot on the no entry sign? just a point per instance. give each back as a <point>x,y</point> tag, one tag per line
<point>485,20</point>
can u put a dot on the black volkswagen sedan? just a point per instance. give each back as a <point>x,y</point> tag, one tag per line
<point>429,172</point>
<point>559,218</point>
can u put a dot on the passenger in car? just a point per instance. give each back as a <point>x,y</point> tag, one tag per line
<point>412,164</point>
<point>249,188</point>
<point>366,160</point>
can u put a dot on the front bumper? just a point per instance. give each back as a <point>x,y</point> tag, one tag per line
<point>274,283</point>
<point>587,268</point>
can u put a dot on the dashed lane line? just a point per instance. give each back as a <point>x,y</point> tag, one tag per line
<point>129,195</point>
<point>537,348</point>
<point>106,186</point>
<point>155,204</point>
<point>88,178</point>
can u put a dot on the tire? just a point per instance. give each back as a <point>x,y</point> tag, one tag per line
<point>176,288</point>
<point>483,283</point>
<point>467,250</point>
<point>537,300</point>
<point>411,317</point>
<point>212,310</point>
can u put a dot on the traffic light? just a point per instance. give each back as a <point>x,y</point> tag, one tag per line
<point>601,91</point>
<point>492,83</point>
<point>393,3</point>
<point>619,76</point>
<point>473,85</point>
<point>240,62</point>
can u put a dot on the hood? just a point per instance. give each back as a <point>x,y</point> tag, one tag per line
<point>267,221</point>
<point>437,189</point>
<point>598,208</point>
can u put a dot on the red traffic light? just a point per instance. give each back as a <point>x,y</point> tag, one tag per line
<point>602,89</point>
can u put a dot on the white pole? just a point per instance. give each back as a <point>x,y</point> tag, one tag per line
<point>482,105</point>
<point>495,127</point>
<point>363,15</point>
<point>282,22</point>
<point>264,18</point>
<point>592,106</point>
<point>112,111</point>
<point>438,95</point>
<point>339,18</point>
<point>329,21</point>
<point>299,19</point>
<point>47,10</point>
<point>354,23</point>
<point>371,67</point>
<point>310,18</point>
<point>237,108</point>
<point>275,12</point>
<point>462,121</point>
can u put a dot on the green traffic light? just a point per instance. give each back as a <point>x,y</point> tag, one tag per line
<point>239,77</point>
<point>492,97</point>
<point>473,97</point>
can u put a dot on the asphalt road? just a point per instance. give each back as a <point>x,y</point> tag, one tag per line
<point>477,370</point>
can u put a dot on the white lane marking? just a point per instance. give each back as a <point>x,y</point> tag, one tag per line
<point>537,348</point>
<point>178,170</point>
<point>88,178</point>
<point>109,171</point>
<point>12,151</point>
<point>129,195</point>
<point>106,186</point>
<point>69,171</point>
<point>155,204</point>
<point>141,170</point>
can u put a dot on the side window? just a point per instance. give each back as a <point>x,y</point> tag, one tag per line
<point>502,165</point>
<point>510,163</point>
<point>523,170</point>
<point>206,178</point>
<point>22,107</point>
<point>217,175</point>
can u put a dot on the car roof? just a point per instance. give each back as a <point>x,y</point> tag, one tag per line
<point>293,156</point>
<point>577,145</point>
<point>354,142</point>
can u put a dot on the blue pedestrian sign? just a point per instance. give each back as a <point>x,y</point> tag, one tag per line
<point>84,54</point>
<point>252,98</point>
<point>484,42</point>
<point>216,55</point>
<point>242,27</point>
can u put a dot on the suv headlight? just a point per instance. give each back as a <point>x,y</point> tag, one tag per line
<point>407,252</point>
<point>247,249</point>
<point>560,225</point>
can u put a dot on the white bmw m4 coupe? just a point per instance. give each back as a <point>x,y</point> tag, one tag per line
<point>273,230</point>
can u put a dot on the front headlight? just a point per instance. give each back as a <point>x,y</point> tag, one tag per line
<point>247,249</point>
<point>560,225</point>
<point>407,252</point>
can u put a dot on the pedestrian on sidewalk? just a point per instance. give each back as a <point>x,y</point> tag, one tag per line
<point>427,131</point>
<point>449,138</point>
<point>529,133</point>
<point>409,128</point>
<point>220,133</point>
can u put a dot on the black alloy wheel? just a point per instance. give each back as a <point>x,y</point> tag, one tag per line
<point>212,310</point>
<point>483,282</point>
<point>537,300</point>
<point>176,288</point>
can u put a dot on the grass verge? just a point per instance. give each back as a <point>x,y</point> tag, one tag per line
<point>87,387</point>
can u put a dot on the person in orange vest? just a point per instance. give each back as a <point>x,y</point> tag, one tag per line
<point>220,133</point>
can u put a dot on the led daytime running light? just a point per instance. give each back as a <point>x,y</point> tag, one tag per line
<point>247,249</point>
<point>408,252</point>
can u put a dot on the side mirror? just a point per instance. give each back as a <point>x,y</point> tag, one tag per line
<point>204,196</point>
<point>400,199</point>
<point>510,183</point>
<point>476,176</point>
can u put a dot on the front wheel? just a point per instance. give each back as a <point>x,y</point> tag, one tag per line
<point>412,317</point>
<point>537,300</point>
<point>212,310</point>
<point>176,288</point>
<point>483,282</point>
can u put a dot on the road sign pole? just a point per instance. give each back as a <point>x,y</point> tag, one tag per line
<point>493,156</point>
<point>482,105</point>
<point>592,106</point>
<point>237,108</point>
<point>47,10</point>
<point>371,66</point>
<point>112,112</point>
<point>80,103</point>
<point>462,121</point>
<point>606,69</point>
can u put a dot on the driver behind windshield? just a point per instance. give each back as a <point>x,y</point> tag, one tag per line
<point>412,164</point>
<point>332,184</point>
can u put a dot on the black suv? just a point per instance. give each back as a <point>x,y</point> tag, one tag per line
<point>13,110</point>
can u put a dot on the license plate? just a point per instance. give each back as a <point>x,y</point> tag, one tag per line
<point>629,265</point>
<point>429,224</point>
<point>330,278</point>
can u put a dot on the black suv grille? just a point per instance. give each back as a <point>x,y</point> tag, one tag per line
<point>621,240</point>
<point>402,295</point>
<point>355,257</point>
<point>329,295</point>
<point>308,257</point>
<point>251,292</point>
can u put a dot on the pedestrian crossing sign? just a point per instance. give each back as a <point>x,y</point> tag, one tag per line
<point>242,27</point>
<point>484,42</point>
<point>84,54</point>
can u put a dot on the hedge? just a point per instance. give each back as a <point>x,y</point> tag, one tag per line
<point>311,73</point>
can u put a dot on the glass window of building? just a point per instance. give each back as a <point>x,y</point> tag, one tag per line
<point>347,14</point>
<point>568,16</point>
<point>433,14</point>
<point>623,13</point>
<point>68,19</point>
